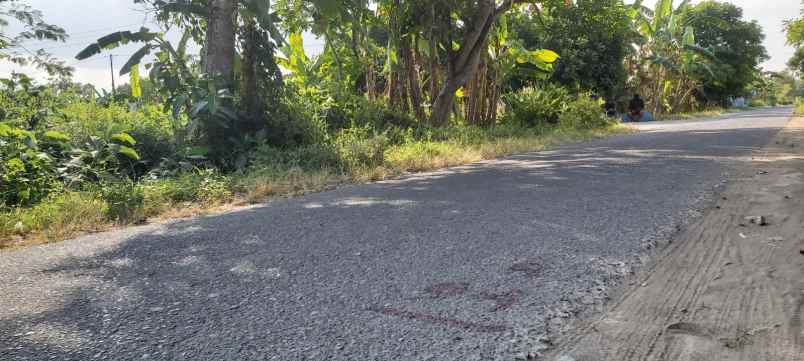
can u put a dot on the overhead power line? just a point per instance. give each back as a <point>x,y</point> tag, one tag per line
<point>90,34</point>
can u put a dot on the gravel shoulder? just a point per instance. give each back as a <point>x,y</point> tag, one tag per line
<point>488,261</point>
<point>730,287</point>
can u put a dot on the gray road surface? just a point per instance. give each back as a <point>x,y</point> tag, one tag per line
<point>479,262</point>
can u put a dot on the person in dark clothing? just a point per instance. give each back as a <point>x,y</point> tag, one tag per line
<point>636,111</point>
<point>611,108</point>
<point>636,105</point>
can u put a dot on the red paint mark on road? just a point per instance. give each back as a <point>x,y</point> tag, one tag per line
<point>503,300</point>
<point>438,320</point>
<point>447,289</point>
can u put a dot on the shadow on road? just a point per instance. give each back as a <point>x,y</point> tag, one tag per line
<point>305,276</point>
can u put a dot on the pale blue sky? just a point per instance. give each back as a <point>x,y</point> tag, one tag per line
<point>87,20</point>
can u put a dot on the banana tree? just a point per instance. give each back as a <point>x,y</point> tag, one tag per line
<point>205,89</point>
<point>505,56</point>
<point>666,57</point>
<point>171,68</point>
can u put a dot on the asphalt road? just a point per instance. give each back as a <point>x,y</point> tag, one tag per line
<point>480,262</point>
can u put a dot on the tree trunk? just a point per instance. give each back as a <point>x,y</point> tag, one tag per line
<point>220,41</point>
<point>403,92</point>
<point>414,91</point>
<point>434,65</point>
<point>463,63</point>
<point>251,103</point>
<point>443,102</point>
<point>371,81</point>
<point>219,63</point>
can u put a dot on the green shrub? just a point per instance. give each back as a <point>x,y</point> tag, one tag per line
<point>26,105</point>
<point>799,106</point>
<point>360,147</point>
<point>125,202</point>
<point>293,124</point>
<point>149,125</point>
<point>58,216</point>
<point>100,159</point>
<point>336,118</point>
<point>27,174</point>
<point>583,113</point>
<point>203,185</point>
<point>756,102</point>
<point>380,116</point>
<point>311,157</point>
<point>460,134</point>
<point>179,189</point>
<point>535,106</point>
<point>785,101</point>
<point>214,188</point>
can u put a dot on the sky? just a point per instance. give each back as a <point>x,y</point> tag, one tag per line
<point>85,21</point>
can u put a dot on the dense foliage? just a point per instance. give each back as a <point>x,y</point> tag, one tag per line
<point>795,37</point>
<point>735,43</point>
<point>592,37</point>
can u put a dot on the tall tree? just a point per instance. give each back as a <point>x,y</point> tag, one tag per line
<point>667,57</point>
<point>260,78</point>
<point>736,44</point>
<point>593,37</point>
<point>219,45</point>
<point>795,37</point>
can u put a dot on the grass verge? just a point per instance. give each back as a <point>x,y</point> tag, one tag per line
<point>798,107</point>
<point>68,214</point>
<point>714,112</point>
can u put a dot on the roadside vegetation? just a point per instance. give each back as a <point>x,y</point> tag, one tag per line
<point>400,86</point>
<point>798,107</point>
<point>795,37</point>
<point>707,113</point>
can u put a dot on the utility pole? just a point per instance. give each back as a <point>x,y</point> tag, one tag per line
<point>111,67</point>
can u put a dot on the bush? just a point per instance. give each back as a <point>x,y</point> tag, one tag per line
<point>214,188</point>
<point>756,102</point>
<point>360,147</point>
<point>799,106</point>
<point>27,105</point>
<point>310,157</point>
<point>30,171</point>
<point>292,124</point>
<point>26,173</point>
<point>149,125</point>
<point>460,134</point>
<point>101,160</point>
<point>58,216</point>
<point>535,106</point>
<point>380,116</point>
<point>205,186</point>
<point>125,201</point>
<point>336,118</point>
<point>583,113</point>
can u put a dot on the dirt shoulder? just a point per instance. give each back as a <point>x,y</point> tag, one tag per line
<point>730,287</point>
